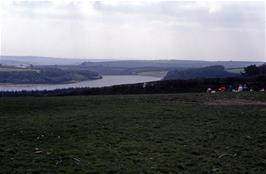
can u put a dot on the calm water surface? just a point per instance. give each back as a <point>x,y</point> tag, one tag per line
<point>108,80</point>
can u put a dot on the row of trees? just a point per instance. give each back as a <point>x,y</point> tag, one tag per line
<point>46,76</point>
<point>254,70</point>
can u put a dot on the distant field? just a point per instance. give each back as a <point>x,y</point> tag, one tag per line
<point>236,70</point>
<point>177,133</point>
<point>12,69</point>
<point>153,73</point>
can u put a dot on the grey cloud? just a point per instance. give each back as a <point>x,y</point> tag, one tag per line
<point>192,30</point>
<point>231,14</point>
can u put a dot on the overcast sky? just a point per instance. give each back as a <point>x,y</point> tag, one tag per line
<point>134,30</point>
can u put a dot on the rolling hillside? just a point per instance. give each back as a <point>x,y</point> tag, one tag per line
<point>196,73</point>
<point>15,75</point>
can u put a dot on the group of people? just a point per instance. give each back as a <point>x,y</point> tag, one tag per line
<point>232,88</point>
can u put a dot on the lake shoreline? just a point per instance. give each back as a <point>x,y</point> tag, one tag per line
<point>105,81</point>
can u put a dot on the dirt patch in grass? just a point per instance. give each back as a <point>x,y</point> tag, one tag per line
<point>227,102</point>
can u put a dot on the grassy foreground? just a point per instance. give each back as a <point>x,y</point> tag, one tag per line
<point>177,133</point>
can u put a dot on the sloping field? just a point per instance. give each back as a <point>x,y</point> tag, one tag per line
<point>177,133</point>
<point>12,69</point>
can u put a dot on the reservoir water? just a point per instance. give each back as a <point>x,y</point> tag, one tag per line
<point>107,80</point>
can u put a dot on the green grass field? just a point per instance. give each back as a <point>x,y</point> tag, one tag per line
<point>16,69</point>
<point>236,70</point>
<point>153,73</point>
<point>177,133</point>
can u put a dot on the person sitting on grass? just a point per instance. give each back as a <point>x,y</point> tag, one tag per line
<point>230,88</point>
<point>240,88</point>
<point>245,87</point>
<point>209,90</point>
<point>222,89</point>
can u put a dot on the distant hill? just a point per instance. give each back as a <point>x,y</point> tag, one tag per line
<point>128,67</point>
<point>45,75</point>
<point>169,63</point>
<point>112,70</point>
<point>217,71</point>
<point>38,60</point>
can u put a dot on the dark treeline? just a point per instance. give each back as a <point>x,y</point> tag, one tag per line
<point>167,86</point>
<point>45,75</point>
<point>216,71</point>
<point>254,70</point>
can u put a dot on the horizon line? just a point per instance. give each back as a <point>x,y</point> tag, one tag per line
<point>133,59</point>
